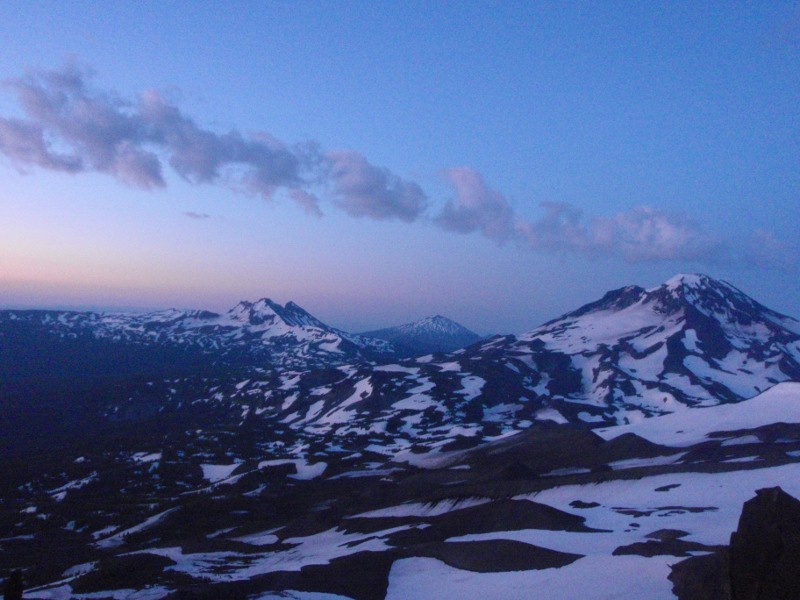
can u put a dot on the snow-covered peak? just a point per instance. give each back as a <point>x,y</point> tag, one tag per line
<point>715,299</point>
<point>435,324</point>
<point>692,280</point>
<point>431,334</point>
<point>267,312</point>
<point>696,287</point>
<point>297,315</point>
<point>254,313</point>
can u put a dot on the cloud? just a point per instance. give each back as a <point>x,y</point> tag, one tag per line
<point>476,207</point>
<point>24,143</point>
<point>71,127</point>
<point>199,216</point>
<point>640,234</point>
<point>99,130</point>
<point>135,140</point>
<point>647,234</point>
<point>364,190</point>
<point>132,140</point>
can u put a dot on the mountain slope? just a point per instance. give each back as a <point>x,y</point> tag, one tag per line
<point>426,336</point>
<point>690,342</point>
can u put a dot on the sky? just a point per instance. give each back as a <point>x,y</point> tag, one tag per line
<point>378,162</point>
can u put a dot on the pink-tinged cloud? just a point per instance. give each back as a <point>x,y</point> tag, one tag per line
<point>640,234</point>
<point>644,234</point>
<point>131,140</point>
<point>25,144</point>
<point>476,207</point>
<point>71,127</point>
<point>364,190</point>
<point>134,140</point>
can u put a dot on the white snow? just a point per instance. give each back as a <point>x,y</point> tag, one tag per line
<point>780,404</point>
<point>341,414</point>
<point>64,592</point>
<point>397,369</point>
<point>418,509</point>
<point>295,595</point>
<point>605,578</point>
<point>550,414</point>
<point>264,538</point>
<point>60,493</point>
<point>471,387</point>
<point>215,473</point>
<point>144,457</point>
<point>316,549</point>
<point>633,463</point>
<point>745,439</point>
<point>448,366</point>
<point>117,539</point>
<point>706,506</point>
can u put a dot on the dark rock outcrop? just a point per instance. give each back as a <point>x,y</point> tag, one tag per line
<point>762,561</point>
<point>765,550</point>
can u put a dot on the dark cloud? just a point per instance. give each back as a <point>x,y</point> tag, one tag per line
<point>364,190</point>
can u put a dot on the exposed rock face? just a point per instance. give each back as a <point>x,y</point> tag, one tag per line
<point>765,550</point>
<point>762,562</point>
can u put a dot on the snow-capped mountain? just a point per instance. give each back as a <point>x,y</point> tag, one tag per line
<point>262,333</point>
<point>690,341</point>
<point>635,353</point>
<point>518,463</point>
<point>426,336</point>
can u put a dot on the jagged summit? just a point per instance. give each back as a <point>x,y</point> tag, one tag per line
<point>265,311</point>
<point>684,294</point>
<point>689,279</point>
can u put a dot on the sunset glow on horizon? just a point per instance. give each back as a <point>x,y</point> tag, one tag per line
<point>380,162</point>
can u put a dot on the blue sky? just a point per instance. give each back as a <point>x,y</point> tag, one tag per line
<point>379,162</point>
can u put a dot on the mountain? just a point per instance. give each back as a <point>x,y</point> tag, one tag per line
<point>690,341</point>
<point>616,439</point>
<point>548,513</point>
<point>426,336</point>
<point>635,353</point>
<point>262,333</point>
<point>83,368</point>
